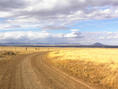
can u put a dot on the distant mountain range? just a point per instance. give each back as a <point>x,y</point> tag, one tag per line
<point>97,44</point>
<point>42,44</point>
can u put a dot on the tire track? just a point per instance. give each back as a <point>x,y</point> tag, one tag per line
<point>32,71</point>
<point>52,78</point>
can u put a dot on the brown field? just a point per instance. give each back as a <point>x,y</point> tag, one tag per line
<point>97,66</point>
<point>58,68</point>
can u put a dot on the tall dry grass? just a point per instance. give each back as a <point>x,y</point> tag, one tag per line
<point>98,66</point>
<point>25,50</point>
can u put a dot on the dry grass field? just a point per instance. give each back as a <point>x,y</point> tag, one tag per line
<point>30,68</point>
<point>23,50</point>
<point>97,66</point>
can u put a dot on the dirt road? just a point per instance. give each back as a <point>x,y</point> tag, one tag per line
<point>32,71</point>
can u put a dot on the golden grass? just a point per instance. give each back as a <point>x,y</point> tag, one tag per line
<point>7,52</point>
<point>98,66</point>
<point>25,50</point>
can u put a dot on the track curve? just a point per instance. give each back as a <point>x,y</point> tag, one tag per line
<point>32,71</point>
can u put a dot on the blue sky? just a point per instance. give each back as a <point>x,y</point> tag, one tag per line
<point>59,21</point>
<point>109,25</point>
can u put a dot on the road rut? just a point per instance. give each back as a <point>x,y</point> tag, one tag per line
<point>33,71</point>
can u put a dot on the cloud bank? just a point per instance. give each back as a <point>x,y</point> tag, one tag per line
<point>54,15</point>
<point>46,37</point>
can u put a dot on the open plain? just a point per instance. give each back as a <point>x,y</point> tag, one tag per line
<point>58,68</point>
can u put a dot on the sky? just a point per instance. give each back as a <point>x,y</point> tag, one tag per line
<point>59,21</point>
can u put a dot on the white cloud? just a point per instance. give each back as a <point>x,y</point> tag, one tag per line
<point>18,36</point>
<point>5,14</point>
<point>23,35</point>
<point>44,12</point>
<point>74,34</point>
<point>47,37</point>
<point>54,15</point>
<point>75,30</point>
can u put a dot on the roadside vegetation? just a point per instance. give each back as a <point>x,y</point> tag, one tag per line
<point>97,66</point>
